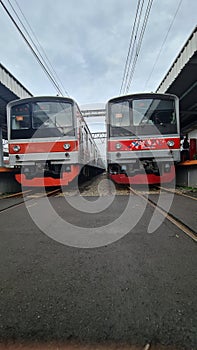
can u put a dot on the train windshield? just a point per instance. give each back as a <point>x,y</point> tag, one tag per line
<point>20,117</point>
<point>42,119</point>
<point>52,115</point>
<point>143,117</point>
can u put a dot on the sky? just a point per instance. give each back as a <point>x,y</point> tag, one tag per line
<point>87,43</point>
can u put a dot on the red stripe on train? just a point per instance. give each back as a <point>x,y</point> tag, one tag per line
<point>143,144</point>
<point>144,179</point>
<point>49,181</point>
<point>43,147</point>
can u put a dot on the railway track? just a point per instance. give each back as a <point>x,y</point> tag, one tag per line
<point>16,195</point>
<point>20,197</point>
<point>16,199</point>
<point>90,188</point>
<point>169,216</point>
<point>176,191</point>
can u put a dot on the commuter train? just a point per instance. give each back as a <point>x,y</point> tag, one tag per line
<point>143,138</point>
<point>50,143</point>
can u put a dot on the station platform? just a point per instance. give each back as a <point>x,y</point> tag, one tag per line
<point>6,170</point>
<point>188,163</point>
<point>8,184</point>
<point>186,173</point>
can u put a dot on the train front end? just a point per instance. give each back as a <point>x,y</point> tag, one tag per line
<point>143,138</point>
<point>43,144</point>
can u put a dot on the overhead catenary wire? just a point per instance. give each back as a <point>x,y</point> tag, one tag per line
<point>133,38</point>
<point>163,43</point>
<point>139,44</point>
<point>39,44</point>
<point>33,49</point>
<point>135,44</point>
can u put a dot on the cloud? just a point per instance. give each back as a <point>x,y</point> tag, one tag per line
<point>87,43</point>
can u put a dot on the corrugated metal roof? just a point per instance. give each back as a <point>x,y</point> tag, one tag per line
<point>181,80</point>
<point>10,89</point>
<point>181,60</point>
<point>11,83</point>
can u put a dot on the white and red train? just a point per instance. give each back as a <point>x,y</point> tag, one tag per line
<point>50,143</point>
<point>143,138</point>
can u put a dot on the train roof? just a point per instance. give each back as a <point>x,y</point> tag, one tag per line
<point>40,98</point>
<point>52,98</point>
<point>141,95</point>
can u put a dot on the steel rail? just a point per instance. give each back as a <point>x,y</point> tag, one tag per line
<point>46,194</point>
<point>177,222</point>
<point>175,191</point>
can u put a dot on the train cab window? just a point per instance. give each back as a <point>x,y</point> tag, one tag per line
<point>63,118</point>
<point>120,114</point>
<point>164,117</point>
<point>20,117</point>
<point>40,115</point>
<point>153,112</point>
<point>40,120</point>
<point>53,114</point>
<point>120,119</point>
<point>142,112</point>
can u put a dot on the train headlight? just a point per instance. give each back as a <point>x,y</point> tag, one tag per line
<point>170,143</point>
<point>118,146</point>
<point>16,148</point>
<point>66,146</point>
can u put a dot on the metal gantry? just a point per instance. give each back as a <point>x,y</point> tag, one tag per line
<point>91,113</point>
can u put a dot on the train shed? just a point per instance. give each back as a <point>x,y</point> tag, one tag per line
<point>181,80</point>
<point>10,89</point>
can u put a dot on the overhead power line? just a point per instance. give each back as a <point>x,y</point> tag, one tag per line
<point>135,44</point>
<point>163,43</point>
<point>40,46</point>
<point>34,49</point>
<point>133,38</point>
<point>139,44</point>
